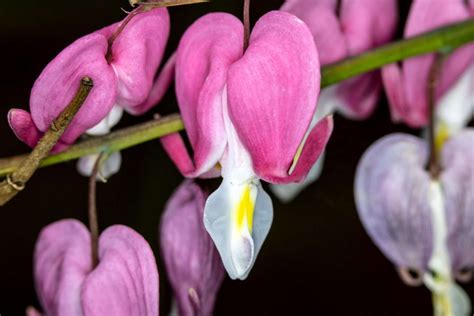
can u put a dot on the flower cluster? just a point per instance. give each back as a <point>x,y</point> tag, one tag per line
<point>253,110</point>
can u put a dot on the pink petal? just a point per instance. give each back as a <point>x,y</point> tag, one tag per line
<point>61,263</point>
<point>159,88</point>
<point>367,24</point>
<point>204,55</point>
<point>25,130</point>
<point>394,88</point>
<point>391,191</point>
<point>136,54</point>
<point>23,126</point>
<point>300,7</point>
<point>126,280</point>
<point>273,91</point>
<point>359,25</point>
<point>312,150</point>
<point>424,16</point>
<point>458,186</point>
<point>360,95</point>
<point>178,153</point>
<point>59,82</point>
<point>321,18</point>
<point>191,259</point>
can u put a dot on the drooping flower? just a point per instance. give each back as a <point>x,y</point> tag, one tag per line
<point>110,166</point>
<point>123,73</point>
<point>192,261</point>
<point>342,29</point>
<point>424,226</point>
<point>248,113</point>
<point>406,84</point>
<point>125,282</point>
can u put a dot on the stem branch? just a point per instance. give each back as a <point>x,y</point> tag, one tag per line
<point>434,166</point>
<point>93,222</point>
<point>27,165</point>
<point>246,23</point>
<point>443,39</point>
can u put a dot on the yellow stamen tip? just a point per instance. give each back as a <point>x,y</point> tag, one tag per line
<point>245,209</point>
<point>442,135</point>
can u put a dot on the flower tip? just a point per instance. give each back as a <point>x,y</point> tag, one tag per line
<point>464,276</point>
<point>242,257</point>
<point>194,296</point>
<point>411,277</point>
<point>31,311</point>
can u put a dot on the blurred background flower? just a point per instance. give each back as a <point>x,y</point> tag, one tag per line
<point>318,258</point>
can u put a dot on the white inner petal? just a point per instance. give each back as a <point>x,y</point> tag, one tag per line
<point>236,163</point>
<point>328,103</point>
<point>456,107</point>
<point>448,297</point>
<point>107,123</point>
<point>242,244</point>
<point>238,215</point>
<point>111,166</point>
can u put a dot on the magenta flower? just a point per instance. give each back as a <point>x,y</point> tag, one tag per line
<point>125,282</point>
<point>192,261</point>
<point>248,114</point>
<point>406,85</point>
<point>343,30</point>
<point>421,224</point>
<point>123,76</point>
<point>340,31</point>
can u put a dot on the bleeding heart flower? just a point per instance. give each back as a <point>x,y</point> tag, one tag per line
<point>109,167</point>
<point>406,84</point>
<point>125,282</point>
<point>192,261</point>
<point>123,76</point>
<point>249,113</point>
<point>342,29</point>
<point>422,225</point>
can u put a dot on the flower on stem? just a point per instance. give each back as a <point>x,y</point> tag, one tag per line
<point>247,116</point>
<point>121,59</point>
<point>192,261</point>
<point>344,30</point>
<point>339,32</point>
<point>406,84</point>
<point>423,225</point>
<point>108,168</point>
<point>125,282</point>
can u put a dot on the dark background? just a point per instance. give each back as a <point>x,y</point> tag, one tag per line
<point>317,258</point>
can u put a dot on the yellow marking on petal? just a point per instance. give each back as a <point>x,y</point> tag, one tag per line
<point>245,209</point>
<point>442,135</point>
<point>297,156</point>
<point>442,304</point>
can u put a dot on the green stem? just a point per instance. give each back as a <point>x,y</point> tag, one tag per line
<point>442,40</point>
<point>28,165</point>
<point>116,141</point>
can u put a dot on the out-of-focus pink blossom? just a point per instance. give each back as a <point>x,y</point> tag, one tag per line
<point>193,264</point>
<point>123,75</point>
<point>407,84</point>
<point>125,282</point>
<point>343,30</point>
